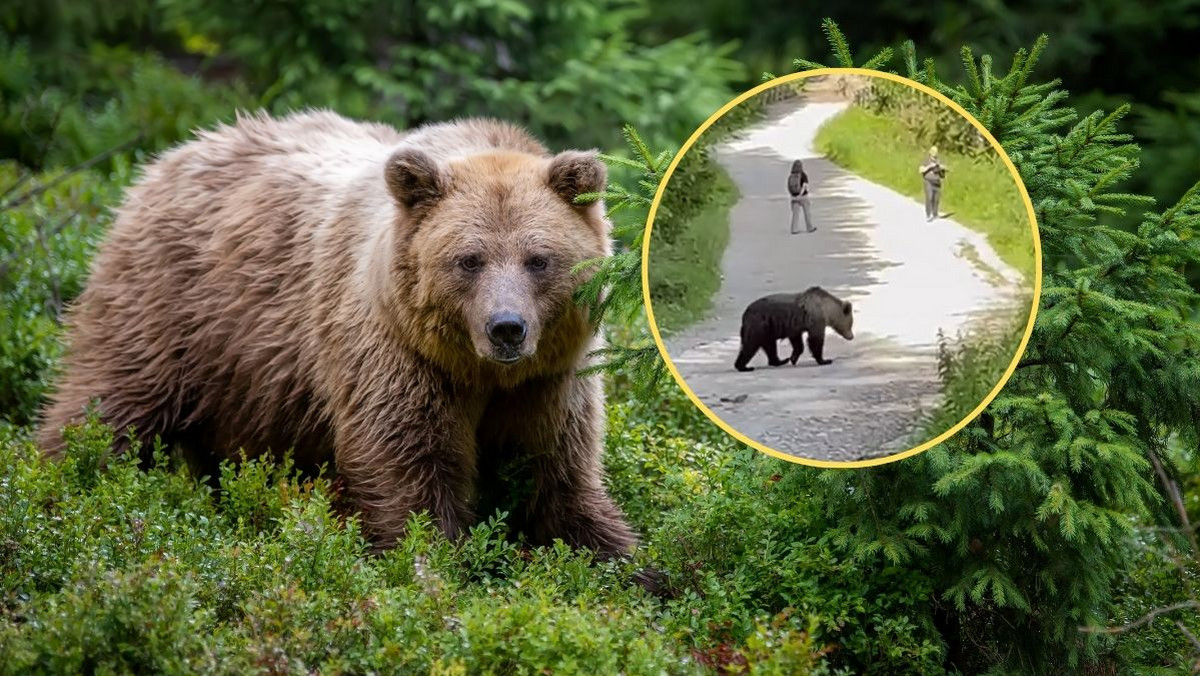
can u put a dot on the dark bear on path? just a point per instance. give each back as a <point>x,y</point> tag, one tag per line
<point>791,315</point>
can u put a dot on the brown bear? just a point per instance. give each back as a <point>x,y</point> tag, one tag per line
<point>790,315</point>
<point>398,303</point>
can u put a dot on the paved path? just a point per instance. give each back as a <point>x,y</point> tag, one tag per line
<point>907,279</point>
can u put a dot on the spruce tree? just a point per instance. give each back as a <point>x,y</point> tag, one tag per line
<point>1025,519</point>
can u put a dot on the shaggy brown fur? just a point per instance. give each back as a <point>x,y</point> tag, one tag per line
<point>400,303</point>
<point>791,315</point>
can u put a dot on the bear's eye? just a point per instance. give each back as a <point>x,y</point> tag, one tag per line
<point>537,263</point>
<point>470,263</point>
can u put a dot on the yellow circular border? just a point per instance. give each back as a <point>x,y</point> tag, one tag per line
<point>658,341</point>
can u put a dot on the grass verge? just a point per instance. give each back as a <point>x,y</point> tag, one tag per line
<point>685,266</point>
<point>979,192</point>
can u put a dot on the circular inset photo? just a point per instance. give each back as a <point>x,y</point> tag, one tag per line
<point>842,267</point>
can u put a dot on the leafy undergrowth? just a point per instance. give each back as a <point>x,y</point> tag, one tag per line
<point>109,568</point>
<point>970,365</point>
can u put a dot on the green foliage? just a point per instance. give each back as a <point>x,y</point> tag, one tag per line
<point>691,230</point>
<point>1161,644</point>
<point>1024,521</point>
<point>613,287</point>
<point>969,366</point>
<point>256,492</point>
<point>111,568</point>
<point>49,226</point>
<point>139,620</point>
<point>1175,130</point>
<point>79,80</point>
<point>547,65</point>
<point>109,98</point>
<point>879,620</point>
<point>931,122</point>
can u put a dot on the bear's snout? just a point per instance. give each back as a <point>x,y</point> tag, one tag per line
<point>507,331</point>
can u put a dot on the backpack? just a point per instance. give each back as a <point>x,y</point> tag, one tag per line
<point>795,183</point>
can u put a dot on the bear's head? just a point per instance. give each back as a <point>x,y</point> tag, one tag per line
<point>489,244</point>
<point>842,320</point>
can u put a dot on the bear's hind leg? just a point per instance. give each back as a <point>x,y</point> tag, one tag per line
<point>749,349</point>
<point>125,399</point>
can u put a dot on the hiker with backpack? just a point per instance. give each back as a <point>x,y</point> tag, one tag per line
<point>798,188</point>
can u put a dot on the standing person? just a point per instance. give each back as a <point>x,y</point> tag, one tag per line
<point>798,188</point>
<point>933,172</point>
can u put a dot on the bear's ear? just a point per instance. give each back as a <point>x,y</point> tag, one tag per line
<point>846,307</point>
<point>414,178</point>
<point>576,172</point>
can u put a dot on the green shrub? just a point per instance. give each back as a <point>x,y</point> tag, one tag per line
<point>691,231</point>
<point>969,366</point>
<point>68,107</point>
<point>143,619</point>
<point>263,573</point>
<point>47,238</point>
<point>568,70</point>
<point>929,121</point>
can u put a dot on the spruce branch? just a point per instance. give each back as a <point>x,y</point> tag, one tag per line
<point>908,50</point>
<point>837,40</point>
<point>611,287</point>
<point>843,58</point>
<point>879,60</point>
<point>977,85</point>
